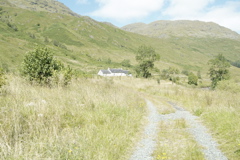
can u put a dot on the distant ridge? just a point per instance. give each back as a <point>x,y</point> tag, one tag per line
<point>52,6</point>
<point>110,24</point>
<point>181,28</point>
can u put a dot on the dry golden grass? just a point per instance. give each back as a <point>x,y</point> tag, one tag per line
<point>218,109</point>
<point>174,142</point>
<point>90,119</point>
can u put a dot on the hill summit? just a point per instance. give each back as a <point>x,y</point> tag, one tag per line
<point>182,28</point>
<point>52,6</point>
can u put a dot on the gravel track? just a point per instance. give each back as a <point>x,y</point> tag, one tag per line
<point>146,146</point>
<point>148,143</point>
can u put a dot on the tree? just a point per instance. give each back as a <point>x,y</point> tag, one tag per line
<point>218,70</point>
<point>39,65</point>
<point>146,56</point>
<point>192,79</point>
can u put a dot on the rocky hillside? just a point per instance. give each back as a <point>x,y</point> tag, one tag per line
<point>52,6</point>
<point>182,28</point>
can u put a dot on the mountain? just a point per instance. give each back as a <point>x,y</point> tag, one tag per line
<point>182,28</point>
<point>52,6</point>
<point>88,45</point>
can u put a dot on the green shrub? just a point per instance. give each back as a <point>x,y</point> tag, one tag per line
<point>126,63</point>
<point>39,65</point>
<point>171,74</point>
<point>63,77</point>
<point>185,72</point>
<point>192,79</point>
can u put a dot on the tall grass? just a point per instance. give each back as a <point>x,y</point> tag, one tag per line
<point>219,109</point>
<point>90,119</point>
<point>174,142</point>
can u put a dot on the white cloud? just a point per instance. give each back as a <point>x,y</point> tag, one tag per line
<point>226,14</point>
<point>120,10</point>
<point>186,8</point>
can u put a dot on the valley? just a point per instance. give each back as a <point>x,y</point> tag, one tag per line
<point>104,118</point>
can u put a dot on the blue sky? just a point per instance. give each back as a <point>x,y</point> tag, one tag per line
<point>123,12</point>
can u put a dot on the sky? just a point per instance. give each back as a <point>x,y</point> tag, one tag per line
<point>122,12</point>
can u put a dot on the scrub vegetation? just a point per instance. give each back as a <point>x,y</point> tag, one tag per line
<point>90,119</point>
<point>218,109</point>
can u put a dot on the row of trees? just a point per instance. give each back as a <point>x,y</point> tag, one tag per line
<point>146,56</point>
<point>40,66</point>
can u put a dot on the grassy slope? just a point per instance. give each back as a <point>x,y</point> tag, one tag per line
<point>87,44</point>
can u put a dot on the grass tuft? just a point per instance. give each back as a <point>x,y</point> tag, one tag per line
<point>90,119</point>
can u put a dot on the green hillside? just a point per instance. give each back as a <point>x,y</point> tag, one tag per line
<point>89,45</point>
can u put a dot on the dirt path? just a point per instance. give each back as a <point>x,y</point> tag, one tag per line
<point>146,146</point>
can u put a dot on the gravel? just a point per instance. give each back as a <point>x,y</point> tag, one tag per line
<point>148,143</point>
<point>201,134</point>
<point>146,146</point>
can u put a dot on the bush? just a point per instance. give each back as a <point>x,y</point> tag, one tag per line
<point>192,79</point>
<point>62,78</point>
<point>39,65</point>
<point>14,27</point>
<point>126,63</point>
<point>171,74</point>
<point>185,72</point>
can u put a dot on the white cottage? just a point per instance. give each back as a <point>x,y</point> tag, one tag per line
<point>113,72</point>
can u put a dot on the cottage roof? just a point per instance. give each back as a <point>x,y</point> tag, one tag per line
<point>106,71</point>
<point>118,71</point>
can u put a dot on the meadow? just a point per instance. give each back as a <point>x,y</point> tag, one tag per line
<point>90,119</point>
<point>102,118</point>
<point>218,110</point>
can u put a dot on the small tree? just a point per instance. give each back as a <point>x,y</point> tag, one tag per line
<point>39,65</point>
<point>218,70</point>
<point>192,79</point>
<point>146,56</point>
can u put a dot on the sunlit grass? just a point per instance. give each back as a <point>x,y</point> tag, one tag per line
<point>174,142</point>
<point>90,119</point>
<point>219,109</point>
